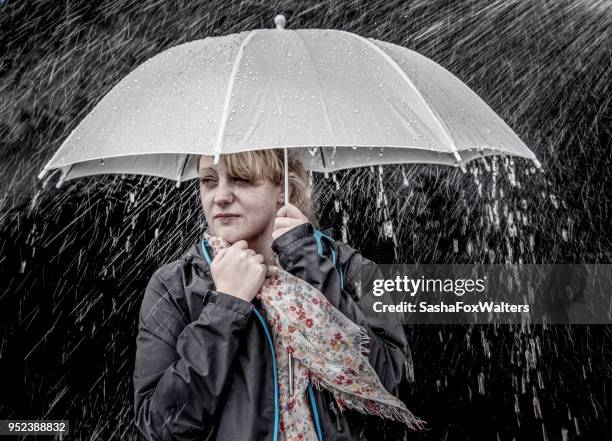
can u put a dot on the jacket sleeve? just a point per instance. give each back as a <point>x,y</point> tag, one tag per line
<point>181,368</point>
<point>297,251</point>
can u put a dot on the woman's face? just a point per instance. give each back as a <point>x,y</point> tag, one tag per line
<point>236,209</point>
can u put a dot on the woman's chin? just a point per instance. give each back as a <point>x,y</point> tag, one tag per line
<point>239,229</point>
<point>230,233</point>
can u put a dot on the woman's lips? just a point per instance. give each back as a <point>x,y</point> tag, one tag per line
<point>226,217</point>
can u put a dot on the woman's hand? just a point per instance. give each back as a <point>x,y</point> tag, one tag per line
<point>238,271</point>
<point>287,217</point>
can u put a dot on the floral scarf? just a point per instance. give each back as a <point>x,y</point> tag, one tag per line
<point>328,350</point>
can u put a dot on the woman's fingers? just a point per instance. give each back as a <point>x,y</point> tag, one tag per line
<point>219,256</point>
<point>246,264</point>
<point>250,252</point>
<point>258,258</point>
<point>284,222</point>
<point>238,249</point>
<point>290,211</point>
<point>241,244</point>
<point>287,218</point>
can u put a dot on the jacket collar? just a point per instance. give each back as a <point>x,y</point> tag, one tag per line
<point>196,256</point>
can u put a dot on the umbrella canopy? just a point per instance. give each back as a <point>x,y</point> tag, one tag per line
<point>348,101</point>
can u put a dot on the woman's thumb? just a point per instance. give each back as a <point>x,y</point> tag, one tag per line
<point>282,211</point>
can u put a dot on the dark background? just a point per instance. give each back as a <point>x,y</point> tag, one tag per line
<point>74,261</point>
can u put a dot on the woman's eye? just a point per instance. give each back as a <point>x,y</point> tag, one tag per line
<point>241,180</point>
<point>206,180</point>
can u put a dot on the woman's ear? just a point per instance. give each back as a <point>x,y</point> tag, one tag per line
<point>281,194</point>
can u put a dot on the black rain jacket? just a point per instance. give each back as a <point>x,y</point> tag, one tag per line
<point>204,367</point>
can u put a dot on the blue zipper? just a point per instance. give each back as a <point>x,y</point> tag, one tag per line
<point>276,412</point>
<point>313,404</point>
<point>271,344</point>
<point>205,252</point>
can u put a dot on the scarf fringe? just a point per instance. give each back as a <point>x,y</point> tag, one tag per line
<point>384,410</point>
<point>364,341</point>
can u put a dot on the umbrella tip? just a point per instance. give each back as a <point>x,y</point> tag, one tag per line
<point>43,173</point>
<point>459,163</point>
<point>280,21</point>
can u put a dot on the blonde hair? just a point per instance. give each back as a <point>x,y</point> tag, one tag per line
<point>269,163</point>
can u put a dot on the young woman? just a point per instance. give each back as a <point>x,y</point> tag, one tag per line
<point>256,333</point>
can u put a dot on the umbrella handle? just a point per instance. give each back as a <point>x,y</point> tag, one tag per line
<point>286,178</point>
<point>286,172</point>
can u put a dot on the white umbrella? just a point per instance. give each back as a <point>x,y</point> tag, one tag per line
<point>348,101</point>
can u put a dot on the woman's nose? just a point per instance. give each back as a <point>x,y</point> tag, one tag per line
<point>224,194</point>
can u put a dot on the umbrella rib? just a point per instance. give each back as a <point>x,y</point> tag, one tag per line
<point>325,108</point>
<point>322,158</point>
<point>64,175</point>
<point>181,170</point>
<point>228,95</point>
<point>391,62</point>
